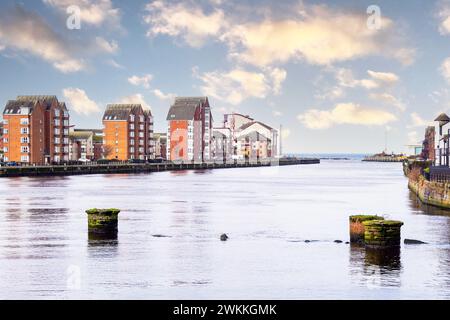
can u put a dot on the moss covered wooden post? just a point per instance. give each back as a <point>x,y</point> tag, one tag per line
<point>102,220</point>
<point>382,233</point>
<point>357,227</point>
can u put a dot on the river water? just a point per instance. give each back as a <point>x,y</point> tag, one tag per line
<point>168,243</point>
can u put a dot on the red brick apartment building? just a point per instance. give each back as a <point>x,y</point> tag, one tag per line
<point>189,130</point>
<point>128,132</point>
<point>36,130</point>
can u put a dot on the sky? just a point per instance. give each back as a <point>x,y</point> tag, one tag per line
<point>339,76</point>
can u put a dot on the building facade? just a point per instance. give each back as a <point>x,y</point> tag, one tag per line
<point>86,144</point>
<point>221,145</point>
<point>428,144</point>
<point>128,133</point>
<point>189,130</point>
<point>161,145</point>
<point>36,130</point>
<point>1,141</point>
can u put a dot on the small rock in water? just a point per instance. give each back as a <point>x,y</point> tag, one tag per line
<point>338,241</point>
<point>160,236</point>
<point>412,241</point>
<point>346,242</point>
<point>223,237</point>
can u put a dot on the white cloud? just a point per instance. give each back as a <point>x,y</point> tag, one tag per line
<point>105,46</point>
<point>317,34</point>
<point>2,47</point>
<point>345,113</point>
<point>418,121</point>
<point>135,99</point>
<point>183,20</point>
<point>92,12</point>
<point>143,81</point>
<point>345,78</point>
<point>78,101</point>
<point>115,64</point>
<point>162,96</point>
<point>384,77</point>
<point>443,15</point>
<point>238,84</point>
<point>28,32</point>
<point>285,133</point>
<point>445,69</point>
<point>388,99</point>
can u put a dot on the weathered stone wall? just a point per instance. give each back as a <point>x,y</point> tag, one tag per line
<point>432,193</point>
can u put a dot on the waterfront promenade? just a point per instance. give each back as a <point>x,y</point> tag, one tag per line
<point>123,167</point>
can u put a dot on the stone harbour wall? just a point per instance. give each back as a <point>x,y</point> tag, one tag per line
<point>432,193</point>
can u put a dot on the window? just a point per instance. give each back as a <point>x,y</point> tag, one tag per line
<point>141,142</point>
<point>132,134</point>
<point>57,140</point>
<point>5,131</point>
<point>131,117</point>
<point>141,150</point>
<point>57,131</point>
<point>117,150</point>
<point>57,113</point>
<point>6,159</point>
<point>24,159</point>
<point>132,142</point>
<point>141,134</point>
<point>66,123</point>
<point>66,132</point>
<point>132,149</point>
<point>141,118</point>
<point>66,140</point>
<point>24,140</point>
<point>24,121</point>
<point>131,126</point>
<point>66,114</point>
<point>24,130</point>
<point>5,122</point>
<point>5,149</point>
<point>5,140</point>
<point>57,149</point>
<point>24,149</point>
<point>57,122</point>
<point>141,127</point>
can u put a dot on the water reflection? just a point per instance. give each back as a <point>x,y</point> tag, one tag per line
<point>419,207</point>
<point>376,267</point>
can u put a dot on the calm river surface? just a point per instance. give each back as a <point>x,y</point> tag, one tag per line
<point>268,213</point>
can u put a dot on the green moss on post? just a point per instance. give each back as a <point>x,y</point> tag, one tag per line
<point>102,220</point>
<point>382,233</point>
<point>357,227</point>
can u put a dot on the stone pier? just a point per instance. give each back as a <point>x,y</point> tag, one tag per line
<point>103,221</point>
<point>357,227</point>
<point>382,233</point>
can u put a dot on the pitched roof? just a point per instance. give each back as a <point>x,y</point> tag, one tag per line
<point>119,111</point>
<point>46,100</point>
<point>14,106</point>
<point>184,107</point>
<point>256,136</point>
<point>442,117</point>
<point>249,124</point>
<point>80,134</point>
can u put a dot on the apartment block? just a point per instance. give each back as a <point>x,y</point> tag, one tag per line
<point>189,130</point>
<point>36,130</point>
<point>250,139</point>
<point>128,132</point>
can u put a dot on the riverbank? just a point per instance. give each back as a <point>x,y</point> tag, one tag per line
<point>116,168</point>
